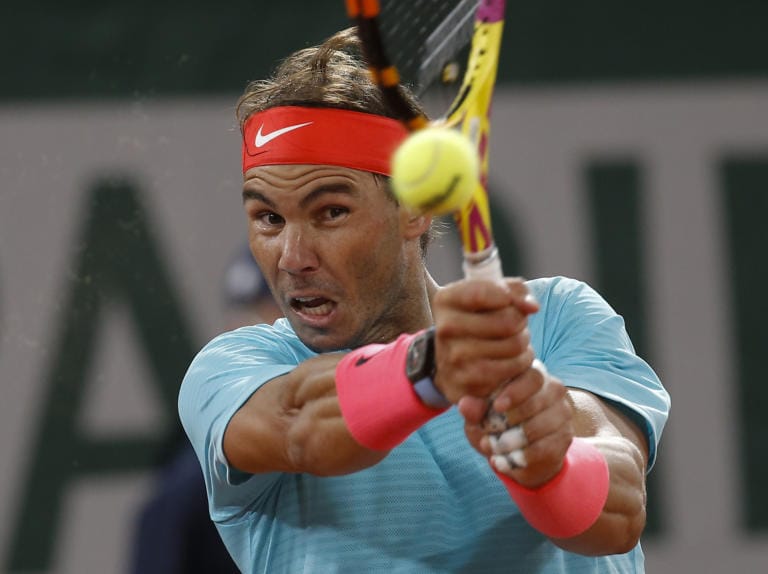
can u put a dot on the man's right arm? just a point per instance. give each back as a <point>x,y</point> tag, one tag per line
<point>294,424</point>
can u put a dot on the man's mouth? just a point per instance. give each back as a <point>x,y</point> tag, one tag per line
<point>316,306</point>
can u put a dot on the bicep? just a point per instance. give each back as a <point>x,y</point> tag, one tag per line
<point>294,424</point>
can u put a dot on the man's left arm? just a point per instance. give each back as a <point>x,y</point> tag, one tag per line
<point>620,441</point>
<point>550,417</point>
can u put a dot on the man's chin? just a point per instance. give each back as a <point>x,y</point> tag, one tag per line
<point>320,340</point>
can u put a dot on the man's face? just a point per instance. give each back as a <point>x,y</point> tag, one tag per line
<point>334,248</point>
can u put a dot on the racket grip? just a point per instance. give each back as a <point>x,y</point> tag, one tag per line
<point>484,264</point>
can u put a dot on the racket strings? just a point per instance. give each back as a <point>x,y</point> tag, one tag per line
<point>383,72</point>
<point>419,44</point>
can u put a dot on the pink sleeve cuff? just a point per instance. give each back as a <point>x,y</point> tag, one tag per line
<point>377,400</point>
<point>573,500</point>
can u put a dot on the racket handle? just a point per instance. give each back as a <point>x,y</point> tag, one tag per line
<point>484,264</point>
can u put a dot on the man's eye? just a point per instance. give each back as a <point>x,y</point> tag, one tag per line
<point>336,212</point>
<point>269,218</point>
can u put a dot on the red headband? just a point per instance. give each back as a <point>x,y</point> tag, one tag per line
<point>323,136</point>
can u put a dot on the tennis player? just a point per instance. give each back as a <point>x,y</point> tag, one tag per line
<point>349,437</point>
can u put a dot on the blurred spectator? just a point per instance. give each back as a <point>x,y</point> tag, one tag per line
<point>247,296</point>
<point>174,533</point>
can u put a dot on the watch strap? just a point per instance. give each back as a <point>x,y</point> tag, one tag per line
<point>429,394</point>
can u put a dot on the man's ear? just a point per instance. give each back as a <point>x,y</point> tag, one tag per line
<point>415,224</point>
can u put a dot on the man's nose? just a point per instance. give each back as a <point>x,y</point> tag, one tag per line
<point>298,253</point>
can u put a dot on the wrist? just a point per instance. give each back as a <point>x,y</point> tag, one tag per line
<point>420,368</point>
<point>379,403</point>
<point>572,501</point>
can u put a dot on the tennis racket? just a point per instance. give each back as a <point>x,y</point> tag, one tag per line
<point>447,53</point>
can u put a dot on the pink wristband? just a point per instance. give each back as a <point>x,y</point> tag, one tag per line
<point>377,400</point>
<point>572,501</point>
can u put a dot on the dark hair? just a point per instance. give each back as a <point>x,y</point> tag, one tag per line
<point>332,74</point>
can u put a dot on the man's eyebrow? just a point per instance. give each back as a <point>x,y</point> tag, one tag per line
<point>343,188</point>
<point>252,194</point>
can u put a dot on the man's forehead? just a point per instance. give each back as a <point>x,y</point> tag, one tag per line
<point>303,173</point>
<point>272,183</point>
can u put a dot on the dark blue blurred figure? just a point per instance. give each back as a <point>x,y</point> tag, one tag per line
<point>174,533</point>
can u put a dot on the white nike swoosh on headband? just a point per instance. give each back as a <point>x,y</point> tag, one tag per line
<point>264,139</point>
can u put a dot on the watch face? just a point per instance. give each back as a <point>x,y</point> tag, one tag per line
<point>418,360</point>
<point>416,354</point>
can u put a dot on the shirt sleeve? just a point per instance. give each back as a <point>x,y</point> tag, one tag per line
<point>221,378</point>
<point>584,343</point>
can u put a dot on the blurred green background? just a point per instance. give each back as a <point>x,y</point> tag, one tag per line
<point>96,49</point>
<point>90,54</point>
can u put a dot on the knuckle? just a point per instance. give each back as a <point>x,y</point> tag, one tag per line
<point>458,357</point>
<point>517,285</point>
<point>523,360</point>
<point>558,389</point>
<point>518,343</point>
<point>527,409</point>
<point>512,320</point>
<point>467,382</point>
<point>531,431</point>
<point>477,389</point>
<point>446,327</point>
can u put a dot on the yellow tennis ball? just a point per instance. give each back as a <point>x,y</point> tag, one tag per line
<point>435,169</point>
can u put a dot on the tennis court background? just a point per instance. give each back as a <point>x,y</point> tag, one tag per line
<point>630,149</point>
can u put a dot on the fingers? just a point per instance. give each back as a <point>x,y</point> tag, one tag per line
<point>514,438</point>
<point>538,403</point>
<point>508,401</point>
<point>537,463</point>
<point>508,449</point>
<point>477,375</point>
<point>553,420</point>
<point>535,432</point>
<point>515,413</point>
<point>481,336</point>
<point>478,296</point>
<point>506,463</point>
<point>522,298</point>
<point>490,324</point>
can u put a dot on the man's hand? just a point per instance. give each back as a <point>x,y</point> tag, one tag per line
<point>539,406</point>
<point>484,355</point>
<point>481,336</point>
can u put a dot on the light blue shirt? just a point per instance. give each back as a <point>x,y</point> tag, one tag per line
<point>433,504</point>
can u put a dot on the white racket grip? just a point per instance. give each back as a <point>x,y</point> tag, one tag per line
<point>485,264</point>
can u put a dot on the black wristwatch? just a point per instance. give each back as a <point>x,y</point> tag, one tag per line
<point>420,370</point>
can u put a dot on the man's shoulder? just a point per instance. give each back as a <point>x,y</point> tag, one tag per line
<point>262,338</point>
<point>566,301</point>
<point>556,286</point>
<point>279,331</point>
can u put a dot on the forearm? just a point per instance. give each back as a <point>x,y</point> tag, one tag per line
<point>592,501</point>
<point>294,424</point>
<point>618,528</point>
<point>621,522</point>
